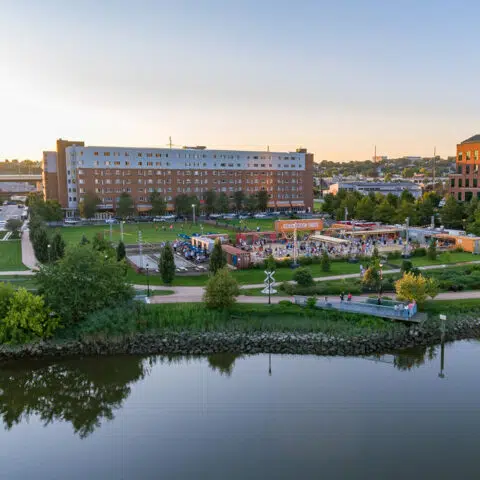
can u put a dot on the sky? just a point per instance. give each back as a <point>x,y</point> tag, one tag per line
<point>334,76</point>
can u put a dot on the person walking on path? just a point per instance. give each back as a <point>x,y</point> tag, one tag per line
<point>342,296</point>
<point>349,298</point>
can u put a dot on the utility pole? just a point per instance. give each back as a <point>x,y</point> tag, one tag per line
<point>433,168</point>
<point>170,141</point>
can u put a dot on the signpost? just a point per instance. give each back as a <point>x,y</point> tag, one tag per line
<point>268,282</point>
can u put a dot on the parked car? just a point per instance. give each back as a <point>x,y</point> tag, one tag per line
<point>110,220</point>
<point>260,215</point>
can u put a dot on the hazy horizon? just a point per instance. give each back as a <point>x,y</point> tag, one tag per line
<point>333,77</point>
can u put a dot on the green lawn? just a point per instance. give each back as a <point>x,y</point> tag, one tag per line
<point>11,256</point>
<point>25,281</point>
<point>265,224</point>
<point>444,258</point>
<point>151,232</point>
<point>247,277</point>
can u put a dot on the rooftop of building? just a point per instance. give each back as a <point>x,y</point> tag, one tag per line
<point>382,184</point>
<point>474,139</point>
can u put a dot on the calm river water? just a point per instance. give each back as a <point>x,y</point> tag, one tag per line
<point>244,417</point>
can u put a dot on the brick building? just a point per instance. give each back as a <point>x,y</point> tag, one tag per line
<point>109,171</point>
<point>465,182</point>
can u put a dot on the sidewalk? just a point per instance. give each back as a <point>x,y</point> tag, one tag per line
<point>28,256</point>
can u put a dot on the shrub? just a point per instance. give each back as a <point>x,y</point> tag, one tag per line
<point>285,303</point>
<point>432,250</point>
<point>27,319</point>
<point>269,263</point>
<point>6,294</point>
<point>419,252</point>
<point>311,302</point>
<point>120,251</point>
<point>394,255</point>
<point>406,267</point>
<point>305,261</point>
<point>303,277</point>
<point>221,290</point>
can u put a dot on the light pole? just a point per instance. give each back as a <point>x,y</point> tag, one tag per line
<point>193,206</point>
<point>381,280</point>
<point>121,229</point>
<point>148,282</point>
<point>48,250</point>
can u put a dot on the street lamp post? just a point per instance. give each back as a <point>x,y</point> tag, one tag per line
<point>193,206</point>
<point>381,280</point>
<point>148,282</point>
<point>48,249</point>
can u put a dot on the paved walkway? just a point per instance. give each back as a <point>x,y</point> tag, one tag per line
<point>28,256</point>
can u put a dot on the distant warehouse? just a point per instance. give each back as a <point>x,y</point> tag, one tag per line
<point>383,188</point>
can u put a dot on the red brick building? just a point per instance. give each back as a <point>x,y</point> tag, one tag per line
<point>465,182</point>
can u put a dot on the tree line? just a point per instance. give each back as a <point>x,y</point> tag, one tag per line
<point>210,202</point>
<point>394,210</point>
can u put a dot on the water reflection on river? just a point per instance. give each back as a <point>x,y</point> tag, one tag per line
<point>233,416</point>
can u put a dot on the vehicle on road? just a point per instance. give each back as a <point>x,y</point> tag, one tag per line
<point>110,220</point>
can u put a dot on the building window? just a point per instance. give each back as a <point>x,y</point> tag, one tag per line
<point>452,182</point>
<point>468,196</point>
<point>467,182</point>
<point>95,153</point>
<point>475,183</point>
<point>467,169</point>
<point>106,154</point>
<point>475,155</point>
<point>467,156</point>
<point>459,183</point>
<point>459,169</point>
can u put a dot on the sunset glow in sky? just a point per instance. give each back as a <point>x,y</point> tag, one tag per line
<point>335,77</point>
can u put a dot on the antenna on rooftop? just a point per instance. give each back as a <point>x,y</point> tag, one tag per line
<point>170,141</point>
<point>268,148</point>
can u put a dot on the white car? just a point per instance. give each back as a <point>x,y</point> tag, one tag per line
<point>110,220</point>
<point>260,215</point>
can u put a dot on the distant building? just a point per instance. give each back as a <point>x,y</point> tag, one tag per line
<point>464,183</point>
<point>383,188</point>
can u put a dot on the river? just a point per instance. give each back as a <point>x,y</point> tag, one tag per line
<point>244,417</point>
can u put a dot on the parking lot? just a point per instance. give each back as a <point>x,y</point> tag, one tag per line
<point>9,211</point>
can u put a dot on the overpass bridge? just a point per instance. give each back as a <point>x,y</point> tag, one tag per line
<point>21,177</point>
<point>28,180</point>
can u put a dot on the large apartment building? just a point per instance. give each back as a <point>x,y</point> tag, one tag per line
<point>465,182</point>
<point>75,169</point>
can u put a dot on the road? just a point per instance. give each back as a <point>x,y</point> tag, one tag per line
<point>9,211</point>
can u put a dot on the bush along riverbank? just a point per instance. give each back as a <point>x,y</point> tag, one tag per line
<point>191,329</point>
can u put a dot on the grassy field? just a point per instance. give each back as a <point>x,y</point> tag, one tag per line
<point>11,256</point>
<point>444,258</point>
<point>265,224</point>
<point>247,277</point>
<point>151,232</point>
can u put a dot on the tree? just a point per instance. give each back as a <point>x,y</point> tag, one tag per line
<point>238,200</point>
<point>262,200</point>
<point>120,251</point>
<point>303,277</point>
<point>40,244</point>
<point>13,225</point>
<point>408,172</point>
<point>375,255</point>
<point>388,177</point>
<point>218,259</point>
<point>432,250</point>
<point>6,294</point>
<point>372,278</point>
<point>102,245</point>
<point>26,319</point>
<point>82,282</point>
<point>325,262</point>
<point>406,210</point>
<point>416,287</point>
<point>84,240</point>
<point>452,213</point>
<point>222,203</point>
<point>425,209</point>
<point>158,203</point>
<point>166,264</point>
<point>384,212</point>
<point>251,204</point>
<point>89,205</point>
<point>406,196</point>
<point>57,247</point>
<point>270,264</point>
<point>365,209</point>
<point>210,199</point>
<point>392,199</point>
<point>221,290</point>
<point>125,205</point>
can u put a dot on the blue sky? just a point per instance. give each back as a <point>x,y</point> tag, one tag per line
<point>334,76</point>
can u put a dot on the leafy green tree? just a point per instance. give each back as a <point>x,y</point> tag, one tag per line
<point>57,247</point>
<point>13,225</point>
<point>221,290</point>
<point>84,240</point>
<point>166,264</point>
<point>375,255</point>
<point>432,250</point>
<point>184,202</point>
<point>365,209</point>
<point>372,278</point>
<point>121,253</point>
<point>89,205</point>
<point>392,199</point>
<point>222,203</point>
<point>82,282</point>
<point>388,177</point>
<point>303,276</point>
<point>158,203</point>
<point>270,264</point>
<point>26,319</point>
<point>210,199</point>
<point>125,206</point>
<point>218,259</point>
<point>223,362</point>
<point>452,213</point>
<point>406,196</point>
<point>384,212</point>
<point>425,209</point>
<point>238,200</point>
<point>251,204</point>
<point>406,210</point>
<point>6,294</point>
<point>408,172</point>
<point>102,245</point>
<point>325,262</point>
<point>262,200</point>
